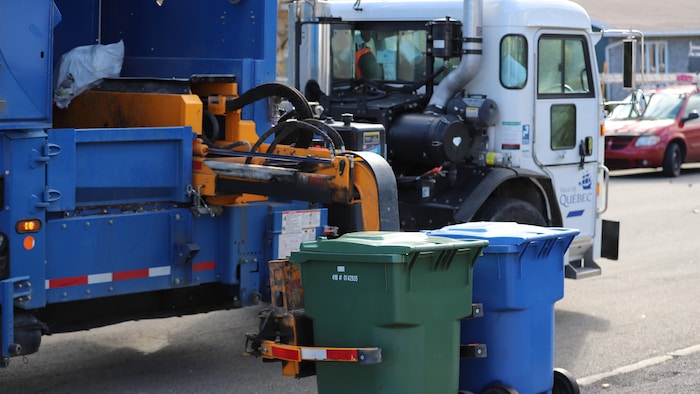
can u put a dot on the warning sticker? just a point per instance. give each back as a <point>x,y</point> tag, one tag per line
<point>297,227</point>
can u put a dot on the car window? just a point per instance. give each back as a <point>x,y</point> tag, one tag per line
<point>664,106</point>
<point>624,110</point>
<point>693,105</point>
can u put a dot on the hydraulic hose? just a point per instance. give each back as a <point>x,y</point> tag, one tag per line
<point>294,96</point>
<point>283,130</point>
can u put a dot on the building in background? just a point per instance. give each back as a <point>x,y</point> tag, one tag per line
<point>282,38</point>
<point>671,41</point>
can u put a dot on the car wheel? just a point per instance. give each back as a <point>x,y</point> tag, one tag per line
<point>509,209</point>
<point>673,158</point>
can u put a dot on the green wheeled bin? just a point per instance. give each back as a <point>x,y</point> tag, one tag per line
<point>402,292</point>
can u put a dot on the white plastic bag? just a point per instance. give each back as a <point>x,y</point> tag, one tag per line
<point>83,66</point>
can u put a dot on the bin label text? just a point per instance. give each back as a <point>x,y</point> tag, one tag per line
<point>341,276</point>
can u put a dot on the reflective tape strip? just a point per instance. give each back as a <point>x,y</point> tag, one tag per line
<point>99,278</point>
<point>66,282</point>
<point>133,274</point>
<point>107,277</point>
<point>159,271</point>
<point>299,353</point>
<point>329,354</point>
<point>286,353</point>
<point>342,355</point>
<point>309,353</point>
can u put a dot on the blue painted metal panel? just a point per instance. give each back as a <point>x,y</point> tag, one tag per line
<point>129,252</point>
<point>239,243</point>
<point>244,248</point>
<point>120,166</point>
<point>79,25</point>
<point>24,185</point>
<point>17,289</point>
<point>26,53</point>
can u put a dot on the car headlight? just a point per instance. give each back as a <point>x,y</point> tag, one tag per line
<point>647,140</point>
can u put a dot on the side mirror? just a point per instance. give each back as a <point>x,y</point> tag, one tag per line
<point>691,116</point>
<point>639,102</point>
<point>629,60</point>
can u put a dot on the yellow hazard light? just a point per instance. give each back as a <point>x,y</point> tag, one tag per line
<point>28,226</point>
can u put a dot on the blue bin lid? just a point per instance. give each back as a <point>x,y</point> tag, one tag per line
<point>504,236</point>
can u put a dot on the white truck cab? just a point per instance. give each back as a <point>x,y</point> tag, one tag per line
<point>492,109</point>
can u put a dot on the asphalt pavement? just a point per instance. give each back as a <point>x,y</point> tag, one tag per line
<point>677,372</point>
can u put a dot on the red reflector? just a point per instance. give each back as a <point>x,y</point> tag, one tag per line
<point>342,354</point>
<point>286,354</point>
<point>66,282</point>
<point>204,266</point>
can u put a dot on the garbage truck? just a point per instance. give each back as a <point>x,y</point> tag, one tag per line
<point>143,171</point>
<point>490,109</point>
<point>150,165</point>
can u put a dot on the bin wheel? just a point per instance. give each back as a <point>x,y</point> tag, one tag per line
<point>564,382</point>
<point>499,389</point>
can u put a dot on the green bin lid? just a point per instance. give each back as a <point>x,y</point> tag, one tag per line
<point>378,246</point>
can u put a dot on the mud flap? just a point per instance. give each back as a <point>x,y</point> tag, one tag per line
<point>610,240</point>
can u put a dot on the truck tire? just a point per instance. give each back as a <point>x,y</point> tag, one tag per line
<point>673,158</point>
<point>510,209</point>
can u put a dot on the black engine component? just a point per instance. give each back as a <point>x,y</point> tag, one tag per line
<point>429,139</point>
<point>477,110</point>
<point>27,334</point>
<point>445,39</point>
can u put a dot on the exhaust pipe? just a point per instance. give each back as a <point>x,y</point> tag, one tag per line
<point>471,57</point>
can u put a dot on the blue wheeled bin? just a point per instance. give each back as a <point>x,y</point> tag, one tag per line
<point>518,279</point>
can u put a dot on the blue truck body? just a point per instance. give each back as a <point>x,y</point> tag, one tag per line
<point>97,225</point>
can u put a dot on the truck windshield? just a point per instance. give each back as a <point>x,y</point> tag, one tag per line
<point>380,54</point>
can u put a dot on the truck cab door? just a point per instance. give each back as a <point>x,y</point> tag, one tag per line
<point>567,108</point>
<point>567,142</point>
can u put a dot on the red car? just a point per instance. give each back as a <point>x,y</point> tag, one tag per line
<point>666,135</point>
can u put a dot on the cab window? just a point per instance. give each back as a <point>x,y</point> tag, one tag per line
<point>563,67</point>
<point>395,53</point>
<point>513,61</point>
<point>378,54</point>
<point>563,126</point>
